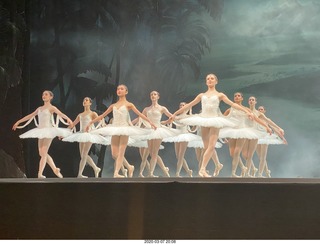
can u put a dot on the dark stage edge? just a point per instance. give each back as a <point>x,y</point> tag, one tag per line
<point>161,208</point>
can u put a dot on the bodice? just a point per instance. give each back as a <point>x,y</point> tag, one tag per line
<point>210,106</point>
<point>121,116</point>
<point>241,118</point>
<point>155,116</point>
<point>253,123</point>
<point>45,118</point>
<point>84,121</point>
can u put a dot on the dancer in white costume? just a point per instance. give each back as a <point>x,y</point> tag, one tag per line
<point>86,139</point>
<point>250,145</point>
<point>181,142</point>
<point>46,130</point>
<point>210,119</point>
<point>154,112</point>
<point>237,136</point>
<point>275,138</point>
<point>126,168</point>
<point>121,127</point>
<point>144,153</point>
<point>198,147</point>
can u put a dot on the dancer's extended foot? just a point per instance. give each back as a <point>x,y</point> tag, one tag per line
<point>125,172</point>
<point>190,172</point>
<point>153,176</point>
<point>141,175</point>
<point>96,172</point>
<point>166,172</point>
<point>233,175</point>
<point>260,175</point>
<point>255,170</point>
<point>41,177</point>
<point>203,173</point>
<point>217,169</point>
<point>118,176</point>
<point>131,169</point>
<point>244,171</point>
<point>82,176</point>
<point>57,173</point>
<point>268,173</point>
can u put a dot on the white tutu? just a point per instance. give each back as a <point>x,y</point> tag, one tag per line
<point>199,144</point>
<point>111,130</point>
<point>184,137</point>
<point>162,132</point>
<point>140,144</point>
<point>197,119</point>
<point>272,139</point>
<point>50,132</point>
<point>87,137</point>
<point>240,133</point>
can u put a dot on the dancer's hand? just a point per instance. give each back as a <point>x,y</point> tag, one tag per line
<point>153,126</point>
<point>171,119</point>
<point>269,130</point>
<point>87,127</point>
<point>14,127</point>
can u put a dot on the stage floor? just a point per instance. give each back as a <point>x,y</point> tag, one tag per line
<point>212,180</point>
<point>160,208</point>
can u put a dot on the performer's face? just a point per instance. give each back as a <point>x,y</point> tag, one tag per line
<point>121,90</point>
<point>154,96</point>
<point>46,96</point>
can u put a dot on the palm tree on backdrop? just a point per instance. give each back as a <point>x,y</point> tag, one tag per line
<point>13,38</point>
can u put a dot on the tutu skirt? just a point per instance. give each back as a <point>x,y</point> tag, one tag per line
<point>50,132</point>
<point>162,132</point>
<point>140,144</point>
<point>240,133</point>
<point>111,130</point>
<point>270,140</point>
<point>197,119</point>
<point>199,144</point>
<point>184,137</point>
<point>87,137</point>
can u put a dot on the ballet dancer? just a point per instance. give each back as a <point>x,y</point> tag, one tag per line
<point>198,147</point>
<point>121,127</point>
<point>46,130</point>
<point>181,142</point>
<point>210,119</point>
<point>86,139</point>
<point>238,135</point>
<point>251,145</point>
<point>154,112</point>
<point>275,138</point>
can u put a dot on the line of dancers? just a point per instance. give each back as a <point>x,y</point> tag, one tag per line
<point>246,130</point>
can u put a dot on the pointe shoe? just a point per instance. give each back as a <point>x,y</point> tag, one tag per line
<point>125,173</point>
<point>268,173</point>
<point>153,176</point>
<point>203,173</point>
<point>255,170</point>
<point>41,177</point>
<point>96,172</point>
<point>190,172</point>
<point>57,173</point>
<point>233,175</point>
<point>118,176</point>
<point>167,172</point>
<point>260,176</point>
<point>82,176</point>
<point>244,171</point>
<point>141,175</point>
<point>217,170</point>
<point>131,169</point>
<point>178,175</point>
